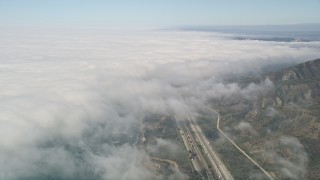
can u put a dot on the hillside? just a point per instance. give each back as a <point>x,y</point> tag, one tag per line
<point>299,84</point>
<point>278,126</point>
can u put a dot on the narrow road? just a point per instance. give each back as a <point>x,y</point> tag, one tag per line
<point>172,163</point>
<point>253,161</point>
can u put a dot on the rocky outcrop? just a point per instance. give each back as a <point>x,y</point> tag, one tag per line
<point>299,84</point>
<point>307,70</point>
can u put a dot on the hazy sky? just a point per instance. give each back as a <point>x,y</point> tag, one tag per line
<point>157,13</point>
<point>73,100</point>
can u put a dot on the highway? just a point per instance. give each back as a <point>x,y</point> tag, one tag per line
<point>200,155</point>
<point>197,157</point>
<point>217,164</point>
<point>253,161</point>
<point>187,144</point>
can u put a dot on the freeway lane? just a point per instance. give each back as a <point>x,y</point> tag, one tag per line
<point>198,161</point>
<point>196,149</point>
<point>218,165</point>
<point>186,143</point>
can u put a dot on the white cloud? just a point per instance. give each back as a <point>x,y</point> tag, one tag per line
<point>293,161</point>
<point>246,127</point>
<point>68,94</point>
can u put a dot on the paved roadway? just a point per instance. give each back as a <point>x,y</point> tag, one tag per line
<point>186,143</point>
<point>217,164</point>
<point>253,161</point>
<point>198,161</point>
<point>200,156</point>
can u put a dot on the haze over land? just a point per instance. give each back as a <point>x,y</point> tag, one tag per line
<point>73,101</point>
<point>93,89</point>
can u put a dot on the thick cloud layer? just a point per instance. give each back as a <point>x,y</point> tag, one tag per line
<point>72,101</point>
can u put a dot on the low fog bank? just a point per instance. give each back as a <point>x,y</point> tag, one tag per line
<point>72,102</point>
<point>278,33</point>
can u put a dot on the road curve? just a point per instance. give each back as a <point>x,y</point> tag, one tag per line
<point>171,162</point>
<point>254,162</point>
